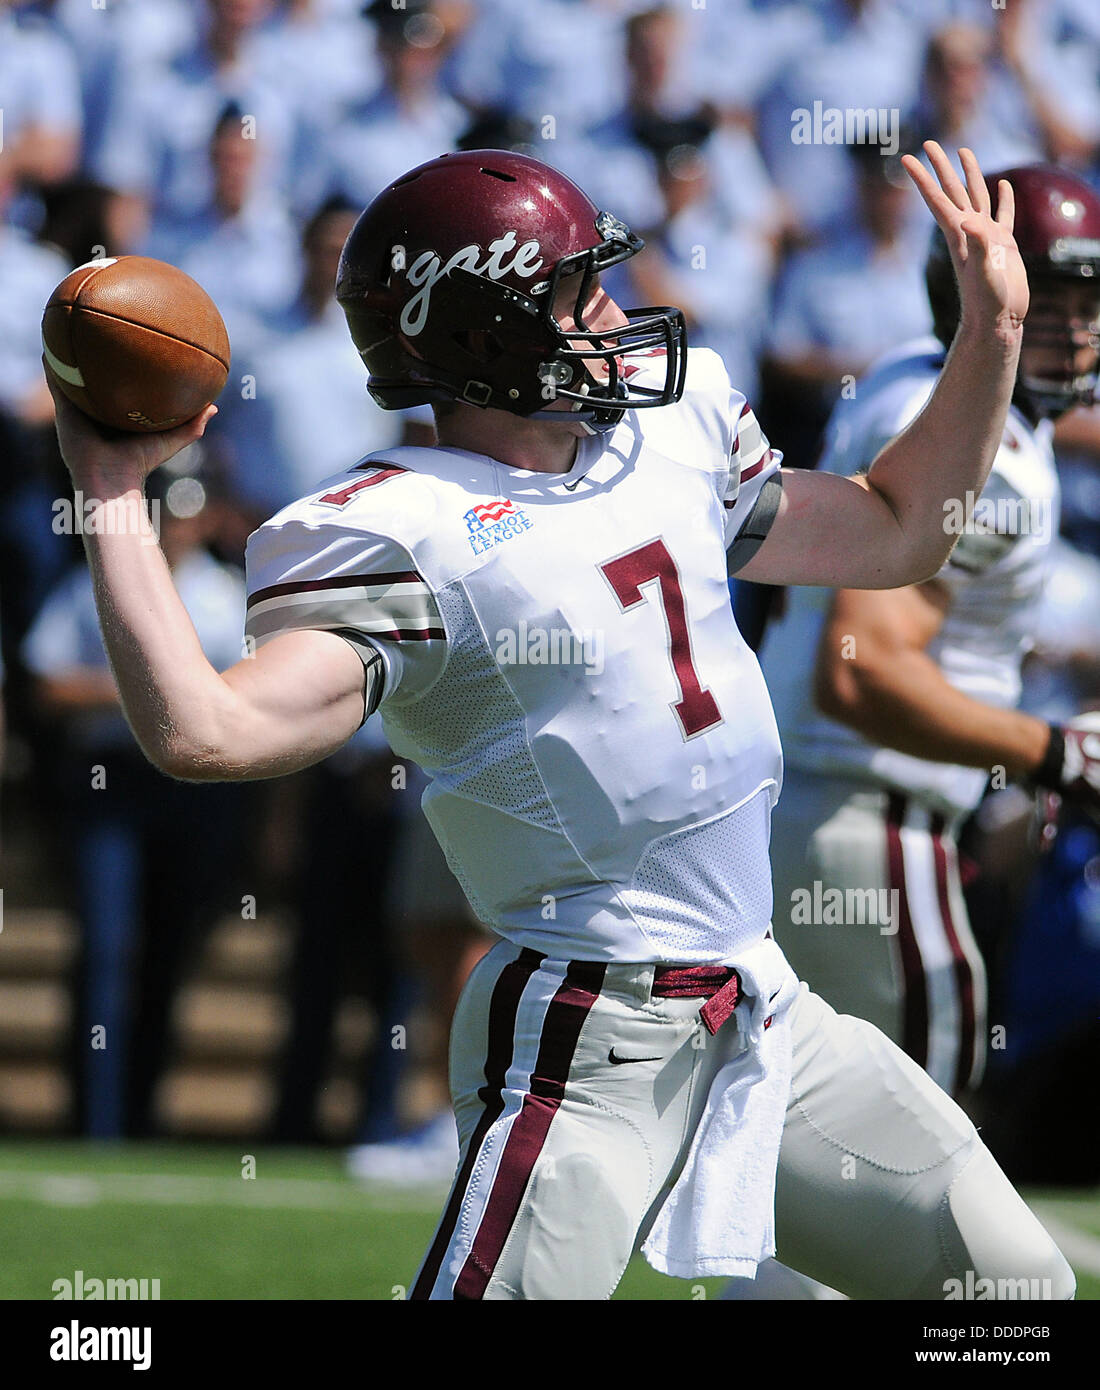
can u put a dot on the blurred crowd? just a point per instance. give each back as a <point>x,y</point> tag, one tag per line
<point>239,139</point>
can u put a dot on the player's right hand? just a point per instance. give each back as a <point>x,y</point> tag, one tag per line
<point>112,461</point>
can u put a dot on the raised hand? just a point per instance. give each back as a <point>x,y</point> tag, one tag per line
<point>992,280</point>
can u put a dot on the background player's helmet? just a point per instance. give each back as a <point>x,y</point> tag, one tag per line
<point>448,281</point>
<point>1057,229</point>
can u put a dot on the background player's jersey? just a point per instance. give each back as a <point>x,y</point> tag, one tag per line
<point>563,661</point>
<point>995,577</point>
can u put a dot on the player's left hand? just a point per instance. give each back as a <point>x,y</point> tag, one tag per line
<point>1076,748</point>
<point>992,281</point>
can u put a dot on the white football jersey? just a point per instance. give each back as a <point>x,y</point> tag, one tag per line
<point>562,660</point>
<point>995,578</point>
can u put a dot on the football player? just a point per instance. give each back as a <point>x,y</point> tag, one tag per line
<point>897,707</point>
<point>538,607</point>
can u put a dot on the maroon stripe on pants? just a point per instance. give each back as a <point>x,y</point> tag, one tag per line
<point>560,1030</point>
<point>964,976</point>
<point>503,1008</point>
<point>915,1003</point>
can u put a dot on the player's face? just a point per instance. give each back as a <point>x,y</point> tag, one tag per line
<point>1062,331</point>
<point>600,314</point>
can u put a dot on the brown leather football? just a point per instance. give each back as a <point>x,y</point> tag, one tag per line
<point>135,343</point>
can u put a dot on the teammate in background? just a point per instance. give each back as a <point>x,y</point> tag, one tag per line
<point>538,606</point>
<point>896,707</point>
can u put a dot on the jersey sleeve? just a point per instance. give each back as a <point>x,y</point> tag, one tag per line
<point>727,440</point>
<point>988,532</point>
<point>752,463</point>
<point>338,579</point>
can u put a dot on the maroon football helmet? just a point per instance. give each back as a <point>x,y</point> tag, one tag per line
<point>449,279</point>
<point>1057,229</point>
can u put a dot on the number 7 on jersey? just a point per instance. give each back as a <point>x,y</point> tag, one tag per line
<point>697,710</point>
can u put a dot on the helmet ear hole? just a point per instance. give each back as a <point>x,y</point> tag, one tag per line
<point>479,343</point>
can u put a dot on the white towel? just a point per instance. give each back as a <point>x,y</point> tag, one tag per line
<point>719,1217</point>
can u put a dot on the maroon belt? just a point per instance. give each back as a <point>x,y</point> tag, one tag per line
<point>719,985</point>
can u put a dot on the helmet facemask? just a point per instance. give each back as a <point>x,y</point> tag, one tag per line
<point>1058,336</point>
<point>568,375</point>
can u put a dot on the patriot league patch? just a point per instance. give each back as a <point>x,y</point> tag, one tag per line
<point>493,523</point>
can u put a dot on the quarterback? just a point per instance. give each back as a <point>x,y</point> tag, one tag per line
<point>635,1060</point>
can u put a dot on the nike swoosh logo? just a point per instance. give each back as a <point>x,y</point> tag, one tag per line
<point>622,1061</point>
<point>571,487</point>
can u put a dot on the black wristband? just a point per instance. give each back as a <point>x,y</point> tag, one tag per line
<point>1049,771</point>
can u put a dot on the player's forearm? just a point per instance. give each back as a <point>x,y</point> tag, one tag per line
<point>170,693</point>
<point>906,704</point>
<point>891,528</point>
<point>949,448</point>
<point>292,703</point>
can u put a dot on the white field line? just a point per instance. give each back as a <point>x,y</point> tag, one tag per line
<point>78,1190</point>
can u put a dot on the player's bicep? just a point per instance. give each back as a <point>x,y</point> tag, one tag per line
<point>297,699</point>
<point>830,531</point>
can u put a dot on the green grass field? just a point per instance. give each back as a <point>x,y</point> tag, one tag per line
<point>299,1229</point>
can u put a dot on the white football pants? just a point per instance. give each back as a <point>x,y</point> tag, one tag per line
<point>577,1094</point>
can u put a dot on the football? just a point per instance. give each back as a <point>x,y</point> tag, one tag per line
<point>135,343</point>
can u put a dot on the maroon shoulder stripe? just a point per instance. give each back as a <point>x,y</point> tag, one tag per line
<point>342,581</point>
<point>915,1004</point>
<point>503,1008</point>
<point>746,409</point>
<point>409,634</point>
<point>751,472</point>
<point>964,976</point>
<point>560,1030</point>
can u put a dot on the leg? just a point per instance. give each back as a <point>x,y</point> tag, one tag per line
<point>884,1188</point>
<point>918,976</point>
<point>563,1152</point>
